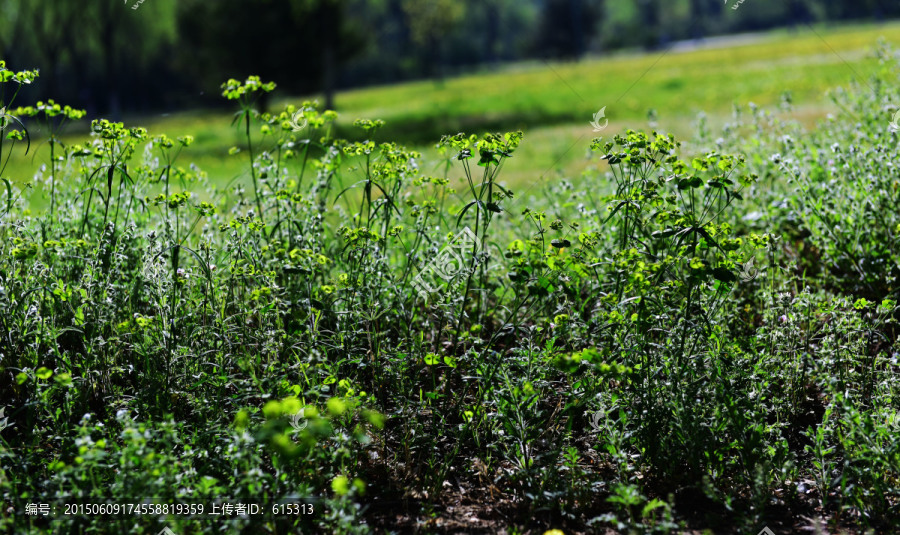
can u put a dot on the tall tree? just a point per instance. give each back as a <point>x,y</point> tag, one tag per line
<point>430,21</point>
<point>799,12</point>
<point>337,26</point>
<point>12,27</point>
<point>567,26</point>
<point>263,43</point>
<point>697,16</point>
<point>300,44</point>
<point>649,13</point>
<point>85,49</point>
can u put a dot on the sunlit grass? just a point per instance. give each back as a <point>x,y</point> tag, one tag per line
<point>553,103</point>
<point>712,322</point>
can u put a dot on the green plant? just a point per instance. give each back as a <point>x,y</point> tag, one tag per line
<point>55,118</point>
<point>247,94</point>
<point>606,355</point>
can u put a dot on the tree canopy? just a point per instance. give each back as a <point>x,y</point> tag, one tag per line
<point>108,57</point>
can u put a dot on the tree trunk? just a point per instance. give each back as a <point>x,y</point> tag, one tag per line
<point>650,15</point>
<point>798,12</point>
<point>108,41</point>
<point>329,73</point>
<point>331,28</point>
<point>112,80</point>
<point>435,63</point>
<point>698,18</point>
<point>577,27</point>
<point>493,32</point>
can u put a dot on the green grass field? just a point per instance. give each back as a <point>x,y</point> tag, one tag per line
<point>684,333</point>
<point>554,102</point>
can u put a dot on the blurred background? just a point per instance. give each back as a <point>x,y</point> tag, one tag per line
<point>433,67</point>
<point>160,54</point>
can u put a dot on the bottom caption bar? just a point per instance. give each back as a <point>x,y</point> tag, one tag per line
<point>177,509</point>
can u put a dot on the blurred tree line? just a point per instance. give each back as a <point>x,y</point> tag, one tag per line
<point>152,54</point>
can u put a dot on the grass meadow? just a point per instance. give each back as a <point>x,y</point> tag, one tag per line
<point>303,321</point>
<point>554,102</point>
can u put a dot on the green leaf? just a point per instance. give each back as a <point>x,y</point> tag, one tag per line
<point>336,406</point>
<point>64,379</point>
<point>340,485</point>
<point>43,373</point>
<point>487,158</point>
<point>651,506</point>
<point>540,289</point>
<point>724,275</point>
<point>9,197</point>
<point>461,214</point>
<point>109,180</point>
<point>375,418</point>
